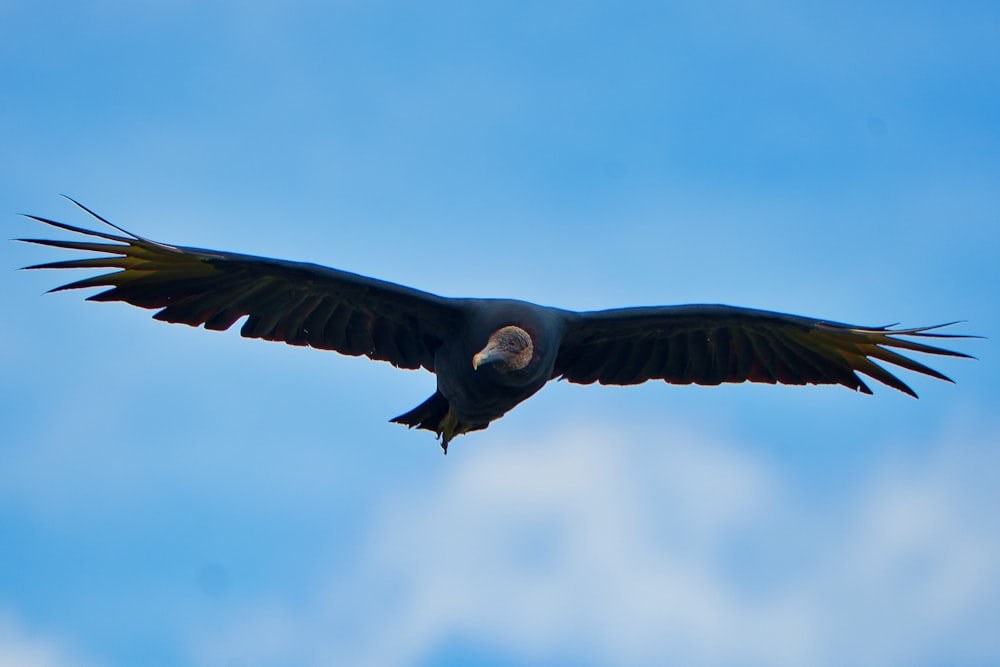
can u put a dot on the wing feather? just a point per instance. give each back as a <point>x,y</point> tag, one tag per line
<point>711,344</point>
<point>296,303</point>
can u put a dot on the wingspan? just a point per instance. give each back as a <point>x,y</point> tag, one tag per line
<point>711,344</point>
<point>292,302</point>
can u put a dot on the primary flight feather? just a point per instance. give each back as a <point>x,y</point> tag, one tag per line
<point>488,354</point>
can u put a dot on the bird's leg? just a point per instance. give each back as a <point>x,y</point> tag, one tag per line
<point>448,429</point>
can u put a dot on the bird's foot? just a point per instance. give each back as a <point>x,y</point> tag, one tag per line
<point>449,429</point>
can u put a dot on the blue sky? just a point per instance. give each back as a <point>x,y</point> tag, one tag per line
<point>172,496</point>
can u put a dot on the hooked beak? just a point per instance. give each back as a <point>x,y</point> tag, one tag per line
<point>487,355</point>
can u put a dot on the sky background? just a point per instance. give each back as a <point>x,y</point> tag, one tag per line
<point>170,496</point>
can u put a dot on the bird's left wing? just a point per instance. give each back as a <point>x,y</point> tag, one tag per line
<point>711,344</point>
<point>291,302</point>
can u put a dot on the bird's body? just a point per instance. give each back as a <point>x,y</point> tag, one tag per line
<point>488,354</point>
<point>477,396</point>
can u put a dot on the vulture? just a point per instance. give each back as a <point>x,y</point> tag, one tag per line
<point>488,354</point>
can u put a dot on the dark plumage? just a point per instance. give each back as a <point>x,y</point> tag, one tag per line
<point>488,354</point>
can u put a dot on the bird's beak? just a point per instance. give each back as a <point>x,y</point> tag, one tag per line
<point>487,355</point>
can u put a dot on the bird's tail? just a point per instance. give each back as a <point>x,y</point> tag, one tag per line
<point>435,415</point>
<point>428,415</point>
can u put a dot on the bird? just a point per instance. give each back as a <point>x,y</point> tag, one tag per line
<point>488,355</point>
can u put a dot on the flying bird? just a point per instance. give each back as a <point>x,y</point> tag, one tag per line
<point>488,354</point>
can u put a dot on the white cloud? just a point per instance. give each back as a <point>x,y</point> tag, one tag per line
<point>21,648</point>
<point>919,569</point>
<point>590,547</point>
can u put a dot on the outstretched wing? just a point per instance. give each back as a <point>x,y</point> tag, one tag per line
<point>291,302</point>
<point>711,344</point>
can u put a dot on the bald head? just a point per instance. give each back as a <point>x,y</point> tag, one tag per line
<point>509,349</point>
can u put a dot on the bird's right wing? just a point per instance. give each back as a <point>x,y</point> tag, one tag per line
<point>711,344</point>
<point>291,302</point>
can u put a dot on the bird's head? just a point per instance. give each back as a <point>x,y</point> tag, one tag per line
<point>509,349</point>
